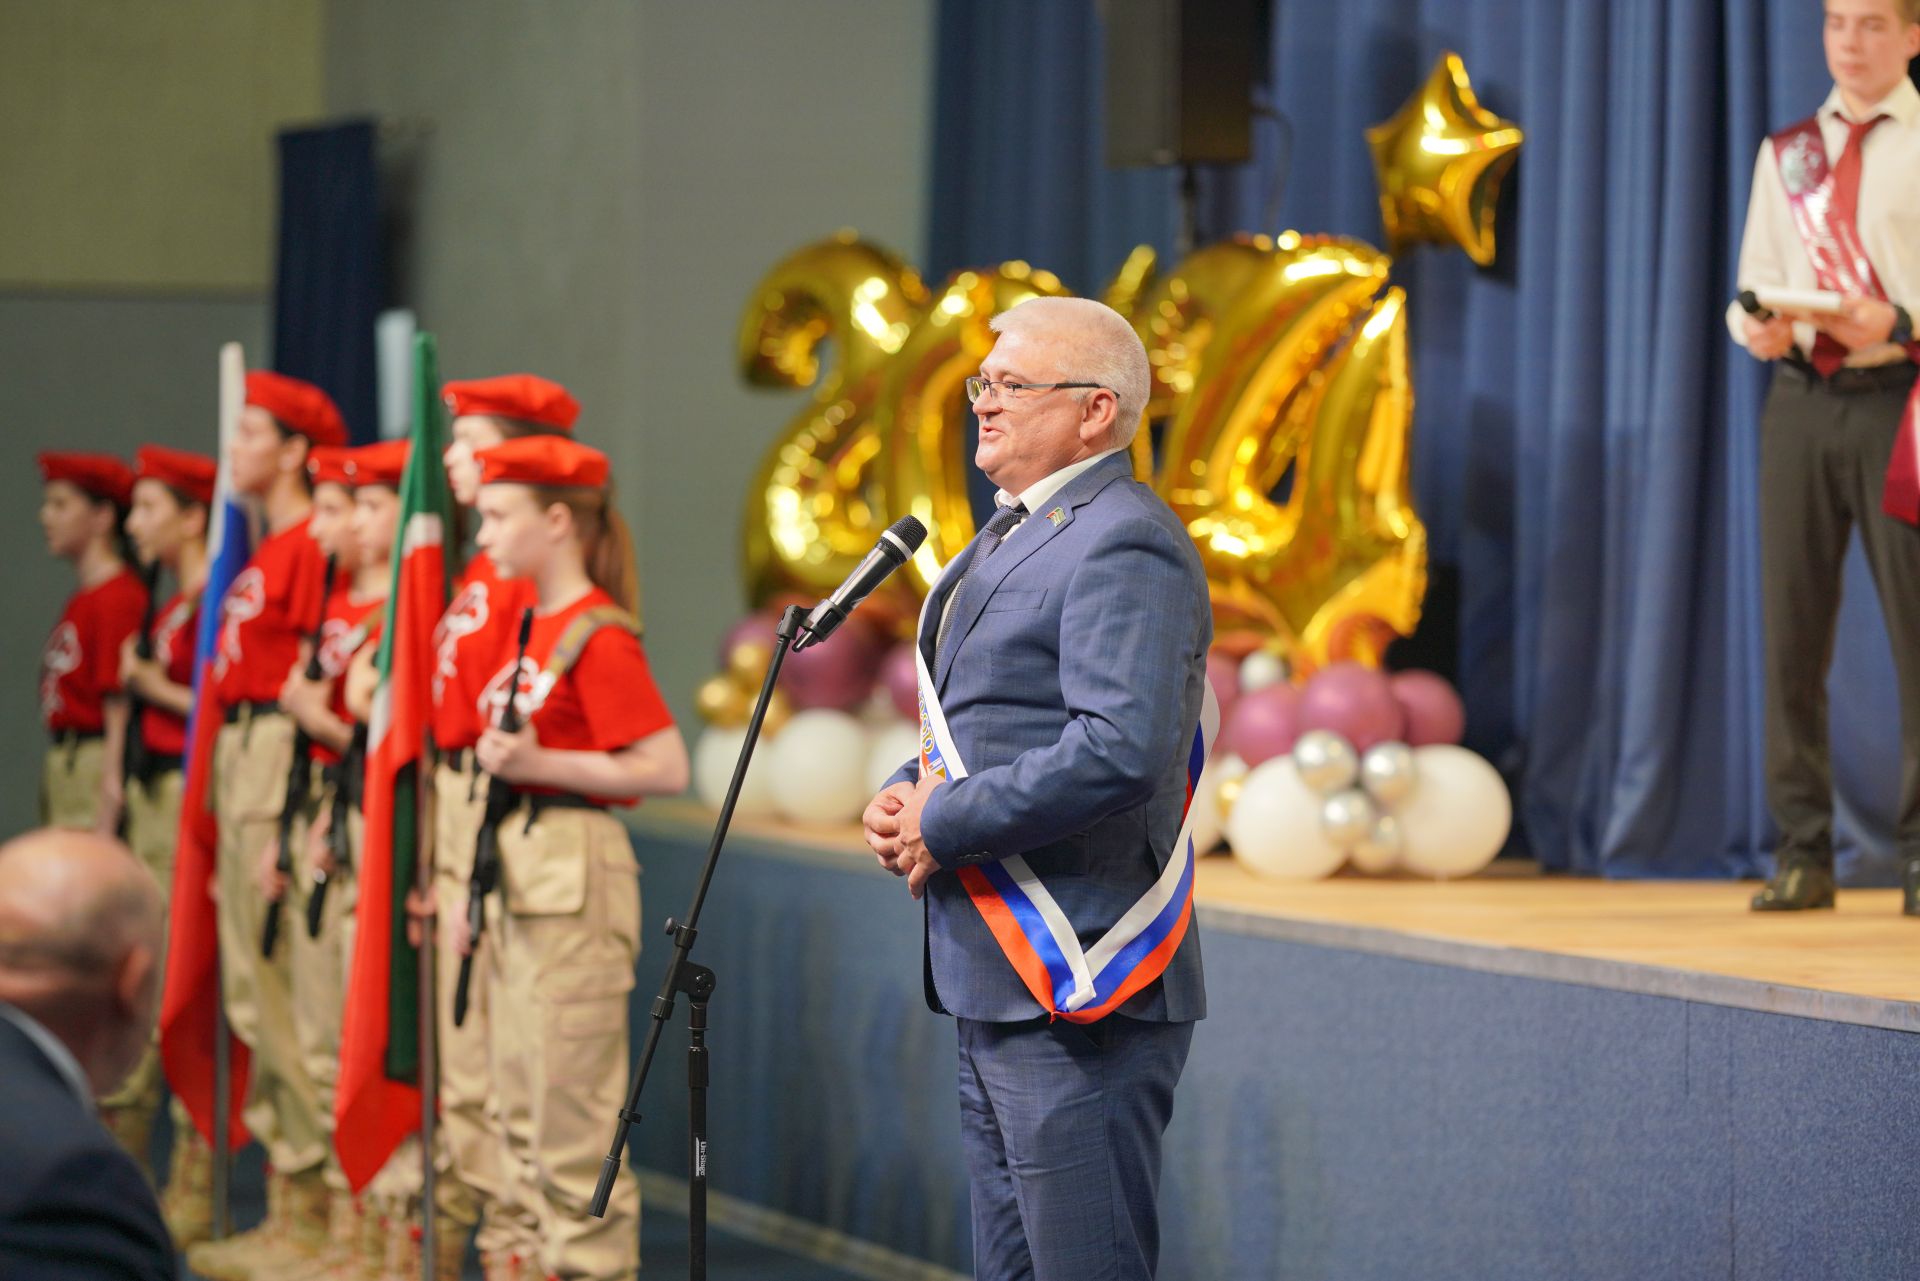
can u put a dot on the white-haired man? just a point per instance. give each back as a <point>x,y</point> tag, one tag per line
<point>1063,666</point>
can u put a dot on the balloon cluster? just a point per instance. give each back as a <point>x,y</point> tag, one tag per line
<point>838,724</point>
<point>1355,766</point>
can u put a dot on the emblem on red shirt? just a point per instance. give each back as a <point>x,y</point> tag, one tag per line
<point>245,600</point>
<point>467,615</point>
<point>60,658</point>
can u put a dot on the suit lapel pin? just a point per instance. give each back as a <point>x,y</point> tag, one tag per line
<point>1055,516</point>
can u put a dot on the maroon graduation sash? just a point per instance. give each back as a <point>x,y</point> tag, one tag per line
<point>1840,264</point>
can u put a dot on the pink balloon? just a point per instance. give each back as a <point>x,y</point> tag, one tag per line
<point>1264,724</point>
<point>754,627</point>
<point>901,680</point>
<point>839,672</point>
<point>1433,709</point>
<point>1355,702</point>
<point>1223,673</point>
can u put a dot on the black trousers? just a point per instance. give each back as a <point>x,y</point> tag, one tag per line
<point>1823,460</point>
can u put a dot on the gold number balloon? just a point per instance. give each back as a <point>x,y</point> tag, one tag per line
<point>819,498</point>
<point>1272,358</point>
<point>1305,371</point>
<point>923,412</point>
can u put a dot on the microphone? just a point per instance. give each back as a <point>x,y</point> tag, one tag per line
<point>1751,305</point>
<point>896,546</point>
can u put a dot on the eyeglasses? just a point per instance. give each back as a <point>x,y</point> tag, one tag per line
<point>978,387</point>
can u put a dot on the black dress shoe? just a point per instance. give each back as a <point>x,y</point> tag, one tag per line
<point>1798,885</point>
<point>1910,888</point>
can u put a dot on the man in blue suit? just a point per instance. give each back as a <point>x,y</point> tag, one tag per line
<point>79,989</point>
<point>1063,660</point>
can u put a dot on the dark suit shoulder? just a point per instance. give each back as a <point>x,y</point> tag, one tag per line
<point>72,1203</point>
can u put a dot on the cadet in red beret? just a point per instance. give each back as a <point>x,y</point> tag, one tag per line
<point>595,734</point>
<point>355,506</point>
<point>474,636</point>
<point>80,697</point>
<point>272,607</point>
<point>172,490</point>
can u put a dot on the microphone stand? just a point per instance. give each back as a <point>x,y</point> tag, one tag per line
<point>697,982</point>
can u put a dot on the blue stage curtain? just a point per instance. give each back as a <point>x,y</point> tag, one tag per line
<point>327,281</point>
<point>1584,449</point>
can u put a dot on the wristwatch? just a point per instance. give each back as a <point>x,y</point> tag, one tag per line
<point>1902,326</point>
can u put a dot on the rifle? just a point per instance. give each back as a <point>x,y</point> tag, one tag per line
<point>348,781</point>
<point>299,773</point>
<point>486,851</point>
<point>133,759</point>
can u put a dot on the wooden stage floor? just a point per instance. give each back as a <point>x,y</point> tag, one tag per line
<point>1693,940</point>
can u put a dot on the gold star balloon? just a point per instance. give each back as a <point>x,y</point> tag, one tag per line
<point>1440,161</point>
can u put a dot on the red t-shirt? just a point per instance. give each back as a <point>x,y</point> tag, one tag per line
<point>173,630</point>
<point>474,638</point>
<point>80,665</point>
<point>604,702</point>
<point>348,624</point>
<point>273,605</point>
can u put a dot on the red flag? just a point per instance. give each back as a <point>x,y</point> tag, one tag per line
<point>377,1100</point>
<point>190,1000</point>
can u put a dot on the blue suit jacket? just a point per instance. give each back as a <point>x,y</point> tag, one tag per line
<point>1072,682</point>
<point>72,1204</point>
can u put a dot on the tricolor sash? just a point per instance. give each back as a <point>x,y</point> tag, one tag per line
<point>1080,985</point>
<point>1840,264</point>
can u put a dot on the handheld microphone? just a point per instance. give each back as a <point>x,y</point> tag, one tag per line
<point>1751,305</point>
<point>896,546</point>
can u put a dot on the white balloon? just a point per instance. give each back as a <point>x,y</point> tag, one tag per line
<point>892,746</point>
<point>1207,831</point>
<point>1327,762</point>
<point>1347,817</point>
<point>1379,852</point>
<point>1457,817</point>
<point>1388,773</point>
<point>1259,670</point>
<point>819,767</point>
<point>1275,825</point>
<point>713,761</point>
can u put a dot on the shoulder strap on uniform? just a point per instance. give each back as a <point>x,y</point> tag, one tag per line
<point>573,641</point>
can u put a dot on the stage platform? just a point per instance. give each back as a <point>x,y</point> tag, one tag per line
<point>1514,1075</point>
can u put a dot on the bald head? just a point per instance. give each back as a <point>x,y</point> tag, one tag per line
<point>80,931</point>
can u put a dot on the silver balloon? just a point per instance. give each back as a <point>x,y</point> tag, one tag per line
<point>1388,773</point>
<point>1379,851</point>
<point>1326,761</point>
<point>1347,817</point>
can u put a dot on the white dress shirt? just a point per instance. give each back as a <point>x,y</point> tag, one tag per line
<point>1888,216</point>
<point>1044,488</point>
<point>1033,495</point>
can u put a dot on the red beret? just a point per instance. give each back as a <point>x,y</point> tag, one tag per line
<point>523,396</point>
<point>543,460</point>
<point>101,475</point>
<point>190,474</point>
<point>327,465</point>
<point>383,463</point>
<point>298,406</point>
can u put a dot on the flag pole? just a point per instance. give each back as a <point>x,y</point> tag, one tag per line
<point>222,1102</point>
<point>425,958</point>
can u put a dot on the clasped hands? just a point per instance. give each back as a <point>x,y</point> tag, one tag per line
<point>892,823</point>
<point>1861,322</point>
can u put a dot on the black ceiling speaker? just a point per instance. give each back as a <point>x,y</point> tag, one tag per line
<point>1180,77</point>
